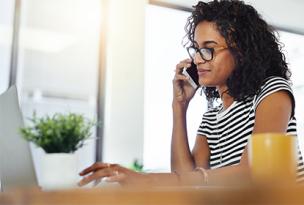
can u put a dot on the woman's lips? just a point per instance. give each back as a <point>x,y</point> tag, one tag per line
<point>203,71</point>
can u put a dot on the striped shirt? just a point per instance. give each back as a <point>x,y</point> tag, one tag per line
<point>228,131</point>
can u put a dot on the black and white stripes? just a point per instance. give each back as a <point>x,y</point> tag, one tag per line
<point>228,131</point>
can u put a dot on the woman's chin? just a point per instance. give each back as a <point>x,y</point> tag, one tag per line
<point>206,83</point>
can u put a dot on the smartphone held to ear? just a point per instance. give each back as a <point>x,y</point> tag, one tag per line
<point>191,72</point>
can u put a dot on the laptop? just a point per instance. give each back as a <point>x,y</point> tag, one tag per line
<point>16,164</point>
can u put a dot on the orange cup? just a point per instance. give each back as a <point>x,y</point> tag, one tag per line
<point>272,158</point>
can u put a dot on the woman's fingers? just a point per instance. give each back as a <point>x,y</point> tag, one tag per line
<point>117,177</point>
<point>88,179</point>
<point>98,171</point>
<point>178,77</point>
<point>181,65</point>
<point>96,166</point>
<point>95,176</point>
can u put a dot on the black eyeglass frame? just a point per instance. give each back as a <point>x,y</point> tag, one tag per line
<point>210,50</point>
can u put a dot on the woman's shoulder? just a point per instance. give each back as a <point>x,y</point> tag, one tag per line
<point>272,84</point>
<point>275,81</point>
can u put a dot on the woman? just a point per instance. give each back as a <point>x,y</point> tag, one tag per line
<point>239,61</point>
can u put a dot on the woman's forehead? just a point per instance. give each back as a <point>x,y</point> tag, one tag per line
<point>206,32</point>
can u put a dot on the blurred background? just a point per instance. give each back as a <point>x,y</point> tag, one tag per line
<point>113,61</point>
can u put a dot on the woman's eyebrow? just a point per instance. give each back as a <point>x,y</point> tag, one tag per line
<point>205,43</point>
<point>209,42</point>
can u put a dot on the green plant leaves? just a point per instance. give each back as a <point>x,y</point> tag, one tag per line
<point>59,133</point>
<point>137,166</point>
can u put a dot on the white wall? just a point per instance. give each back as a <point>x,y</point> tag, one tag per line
<point>123,131</point>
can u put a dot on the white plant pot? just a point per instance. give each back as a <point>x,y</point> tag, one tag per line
<point>58,171</point>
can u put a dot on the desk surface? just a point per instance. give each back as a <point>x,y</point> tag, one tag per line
<point>159,196</point>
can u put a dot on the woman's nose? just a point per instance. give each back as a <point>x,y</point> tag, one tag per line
<point>198,59</point>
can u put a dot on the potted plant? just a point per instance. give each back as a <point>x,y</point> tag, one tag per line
<point>59,136</point>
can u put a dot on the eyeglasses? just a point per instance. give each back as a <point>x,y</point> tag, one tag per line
<point>206,53</point>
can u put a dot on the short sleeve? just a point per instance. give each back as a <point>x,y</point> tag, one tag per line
<point>202,129</point>
<point>272,85</point>
<point>209,117</point>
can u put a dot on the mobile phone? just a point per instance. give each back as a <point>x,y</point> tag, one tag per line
<point>191,72</point>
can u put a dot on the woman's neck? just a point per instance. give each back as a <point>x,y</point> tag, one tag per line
<point>225,97</point>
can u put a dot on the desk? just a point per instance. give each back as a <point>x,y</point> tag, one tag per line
<point>157,196</point>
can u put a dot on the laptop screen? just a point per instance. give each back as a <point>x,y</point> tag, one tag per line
<point>16,165</point>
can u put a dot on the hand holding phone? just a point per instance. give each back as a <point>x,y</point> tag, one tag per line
<point>191,72</point>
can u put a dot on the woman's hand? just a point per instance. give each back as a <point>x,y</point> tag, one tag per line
<point>182,90</point>
<point>114,173</point>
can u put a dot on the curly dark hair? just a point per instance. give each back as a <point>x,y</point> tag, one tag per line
<point>252,42</point>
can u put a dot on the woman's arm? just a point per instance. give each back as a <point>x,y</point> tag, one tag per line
<point>201,152</point>
<point>181,158</point>
<point>124,176</point>
<point>117,173</point>
<point>272,115</point>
